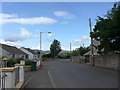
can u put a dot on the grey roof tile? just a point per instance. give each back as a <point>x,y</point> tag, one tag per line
<point>12,49</point>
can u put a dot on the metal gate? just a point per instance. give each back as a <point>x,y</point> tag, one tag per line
<point>2,80</point>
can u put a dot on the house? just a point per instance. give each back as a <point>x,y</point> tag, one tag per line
<point>95,50</point>
<point>64,53</point>
<point>40,52</point>
<point>11,52</point>
<point>32,55</point>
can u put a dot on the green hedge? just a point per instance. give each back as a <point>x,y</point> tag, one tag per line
<point>27,62</point>
<point>11,63</point>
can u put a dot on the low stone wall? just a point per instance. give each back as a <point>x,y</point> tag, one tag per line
<point>107,61</point>
<point>78,59</point>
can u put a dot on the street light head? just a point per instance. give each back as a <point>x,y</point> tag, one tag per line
<point>49,32</point>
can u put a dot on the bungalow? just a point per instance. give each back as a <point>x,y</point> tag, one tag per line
<point>32,55</point>
<point>11,52</point>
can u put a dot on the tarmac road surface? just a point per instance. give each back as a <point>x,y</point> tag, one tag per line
<point>66,74</point>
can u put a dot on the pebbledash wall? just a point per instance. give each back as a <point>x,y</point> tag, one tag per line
<point>110,61</point>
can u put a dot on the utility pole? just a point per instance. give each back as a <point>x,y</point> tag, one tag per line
<point>70,47</point>
<point>70,52</point>
<point>93,62</point>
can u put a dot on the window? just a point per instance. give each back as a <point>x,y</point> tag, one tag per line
<point>38,56</point>
<point>13,56</point>
<point>26,56</point>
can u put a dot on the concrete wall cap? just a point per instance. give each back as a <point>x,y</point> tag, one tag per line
<point>10,69</point>
<point>19,64</point>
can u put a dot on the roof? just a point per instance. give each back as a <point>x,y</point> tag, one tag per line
<point>42,52</point>
<point>95,43</point>
<point>11,49</point>
<point>90,52</point>
<point>31,51</point>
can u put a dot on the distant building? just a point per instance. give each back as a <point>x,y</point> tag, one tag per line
<point>32,55</point>
<point>64,53</point>
<point>11,52</point>
<point>40,52</point>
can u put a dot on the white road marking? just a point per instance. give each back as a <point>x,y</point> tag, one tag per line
<point>51,79</point>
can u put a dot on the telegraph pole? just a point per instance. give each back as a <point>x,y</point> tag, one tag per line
<point>93,62</point>
<point>70,52</point>
<point>70,47</point>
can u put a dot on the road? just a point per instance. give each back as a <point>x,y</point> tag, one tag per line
<point>66,74</point>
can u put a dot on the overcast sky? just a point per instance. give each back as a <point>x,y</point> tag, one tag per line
<point>22,22</point>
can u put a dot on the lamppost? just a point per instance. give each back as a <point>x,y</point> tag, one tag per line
<point>41,41</point>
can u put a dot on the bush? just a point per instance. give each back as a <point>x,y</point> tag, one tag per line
<point>19,59</point>
<point>64,57</point>
<point>28,62</point>
<point>11,63</point>
<point>47,55</point>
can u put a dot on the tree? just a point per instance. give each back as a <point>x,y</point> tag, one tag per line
<point>79,51</point>
<point>46,55</point>
<point>107,30</point>
<point>75,53</point>
<point>83,50</point>
<point>55,48</point>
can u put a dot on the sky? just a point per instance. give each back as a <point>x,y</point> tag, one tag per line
<point>68,23</point>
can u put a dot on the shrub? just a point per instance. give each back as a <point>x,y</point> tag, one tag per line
<point>28,62</point>
<point>47,55</point>
<point>19,59</point>
<point>11,63</point>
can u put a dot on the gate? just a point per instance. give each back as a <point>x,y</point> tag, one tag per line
<point>2,80</point>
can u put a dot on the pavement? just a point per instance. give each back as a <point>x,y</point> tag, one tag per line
<point>66,74</point>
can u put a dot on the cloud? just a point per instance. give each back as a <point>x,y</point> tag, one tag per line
<point>64,22</point>
<point>82,40</point>
<point>74,47</point>
<point>37,47</point>
<point>76,44</point>
<point>64,14</point>
<point>24,34</point>
<point>11,18</point>
<point>10,43</point>
<point>67,47</point>
<point>8,15</point>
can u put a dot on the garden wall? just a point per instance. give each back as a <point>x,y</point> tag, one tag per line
<point>107,61</point>
<point>79,59</point>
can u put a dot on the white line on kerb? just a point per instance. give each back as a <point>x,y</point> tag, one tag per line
<point>51,79</point>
